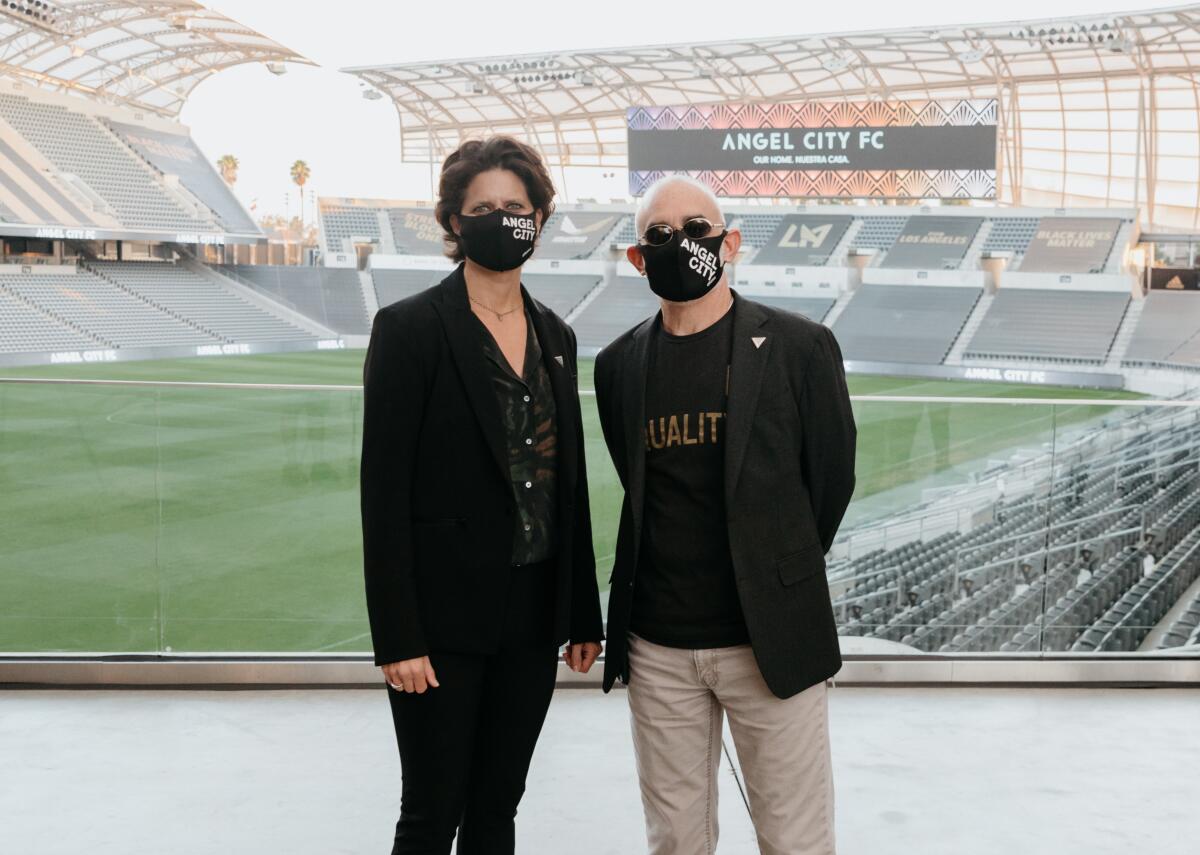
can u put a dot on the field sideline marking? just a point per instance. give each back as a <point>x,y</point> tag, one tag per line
<point>329,387</point>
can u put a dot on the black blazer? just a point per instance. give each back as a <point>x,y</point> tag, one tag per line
<point>437,501</point>
<point>789,474</point>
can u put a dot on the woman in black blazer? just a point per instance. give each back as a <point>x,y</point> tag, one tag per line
<point>476,532</point>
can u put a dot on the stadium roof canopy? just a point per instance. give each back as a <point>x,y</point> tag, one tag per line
<point>1115,78</point>
<point>148,54</point>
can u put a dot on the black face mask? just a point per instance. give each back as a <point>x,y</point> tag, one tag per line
<point>683,268</point>
<point>500,240</point>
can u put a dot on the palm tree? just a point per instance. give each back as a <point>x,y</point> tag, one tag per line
<point>228,164</point>
<point>300,174</point>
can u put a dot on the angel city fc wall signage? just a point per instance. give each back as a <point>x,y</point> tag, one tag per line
<point>932,243</point>
<point>898,149</point>
<point>803,240</point>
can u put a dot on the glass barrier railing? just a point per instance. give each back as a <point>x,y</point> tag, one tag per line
<point>207,518</point>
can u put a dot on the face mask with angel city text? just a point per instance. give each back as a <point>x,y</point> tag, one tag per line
<point>500,240</point>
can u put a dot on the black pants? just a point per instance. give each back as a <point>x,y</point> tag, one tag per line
<point>465,746</point>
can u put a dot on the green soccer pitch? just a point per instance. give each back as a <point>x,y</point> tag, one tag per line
<point>175,518</point>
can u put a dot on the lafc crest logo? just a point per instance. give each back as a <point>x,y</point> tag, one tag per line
<point>809,238</point>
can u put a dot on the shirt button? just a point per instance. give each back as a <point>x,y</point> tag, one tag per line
<point>528,527</point>
<point>526,399</point>
<point>528,484</point>
<point>529,442</point>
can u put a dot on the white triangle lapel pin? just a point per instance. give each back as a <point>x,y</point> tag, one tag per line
<point>758,340</point>
<point>558,359</point>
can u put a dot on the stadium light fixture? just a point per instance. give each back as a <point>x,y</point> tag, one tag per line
<point>835,63</point>
<point>36,13</point>
<point>973,55</point>
<point>372,94</point>
<point>277,68</point>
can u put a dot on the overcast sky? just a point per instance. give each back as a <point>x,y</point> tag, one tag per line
<point>352,145</point>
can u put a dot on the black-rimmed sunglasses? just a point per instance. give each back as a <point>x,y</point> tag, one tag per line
<point>695,228</point>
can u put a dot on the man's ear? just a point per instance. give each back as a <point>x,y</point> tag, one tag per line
<point>634,254</point>
<point>732,244</point>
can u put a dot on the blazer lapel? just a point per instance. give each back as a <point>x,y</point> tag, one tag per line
<point>633,405</point>
<point>554,357</point>
<point>748,360</point>
<point>463,334</point>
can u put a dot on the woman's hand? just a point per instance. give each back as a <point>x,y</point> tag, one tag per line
<point>579,657</point>
<point>411,675</point>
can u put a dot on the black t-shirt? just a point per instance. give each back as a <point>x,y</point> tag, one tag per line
<point>685,594</point>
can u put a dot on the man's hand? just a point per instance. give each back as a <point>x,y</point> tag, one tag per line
<point>579,657</point>
<point>411,675</point>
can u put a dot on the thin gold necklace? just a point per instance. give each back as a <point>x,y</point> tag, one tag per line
<point>499,315</point>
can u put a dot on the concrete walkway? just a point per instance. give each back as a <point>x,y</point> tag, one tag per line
<point>918,772</point>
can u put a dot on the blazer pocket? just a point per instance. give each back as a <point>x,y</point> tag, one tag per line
<point>800,565</point>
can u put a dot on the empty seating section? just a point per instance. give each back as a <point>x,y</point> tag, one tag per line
<point>813,308</point>
<point>393,285</point>
<point>559,292</point>
<point>178,154</point>
<point>1028,323</point>
<point>1184,631</point>
<point>624,235</point>
<point>1129,620</point>
<point>1017,583</point>
<point>879,233</point>
<point>903,323</point>
<point>1010,234</point>
<point>28,329</point>
<point>343,224</point>
<point>110,314</point>
<point>331,296</point>
<point>76,143</point>
<point>622,304</point>
<point>756,228</point>
<point>1170,320</point>
<point>202,301</point>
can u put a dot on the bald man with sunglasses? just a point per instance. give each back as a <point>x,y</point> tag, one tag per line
<point>730,426</point>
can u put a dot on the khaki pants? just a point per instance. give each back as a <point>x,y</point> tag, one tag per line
<point>676,702</point>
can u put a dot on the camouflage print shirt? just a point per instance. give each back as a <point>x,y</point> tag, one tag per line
<point>528,412</point>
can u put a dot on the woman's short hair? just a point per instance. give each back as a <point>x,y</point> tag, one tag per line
<point>476,156</point>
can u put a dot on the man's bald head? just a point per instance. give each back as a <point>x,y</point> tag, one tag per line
<point>673,199</point>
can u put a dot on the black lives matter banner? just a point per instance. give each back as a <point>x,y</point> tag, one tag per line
<point>1174,279</point>
<point>415,231</point>
<point>803,240</point>
<point>903,149</point>
<point>1070,245</point>
<point>932,243</point>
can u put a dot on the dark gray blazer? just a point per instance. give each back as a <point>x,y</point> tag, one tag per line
<point>789,474</point>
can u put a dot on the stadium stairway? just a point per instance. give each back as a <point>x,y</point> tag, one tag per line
<point>1116,253</point>
<point>259,299</point>
<point>1120,345</point>
<point>838,307</point>
<point>590,296</point>
<point>971,257</point>
<point>955,354</point>
<point>837,256</point>
<point>370,298</point>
